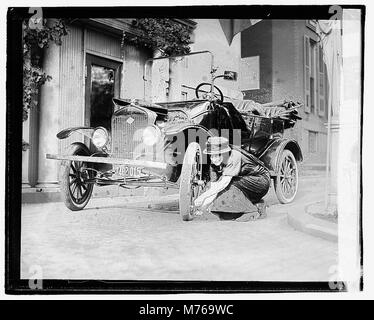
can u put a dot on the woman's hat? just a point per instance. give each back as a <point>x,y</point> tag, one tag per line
<point>217,145</point>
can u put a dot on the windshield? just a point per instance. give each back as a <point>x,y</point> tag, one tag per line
<point>175,78</point>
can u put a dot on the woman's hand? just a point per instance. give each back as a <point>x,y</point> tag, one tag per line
<point>208,200</point>
<point>200,200</point>
<point>209,195</point>
<point>204,200</point>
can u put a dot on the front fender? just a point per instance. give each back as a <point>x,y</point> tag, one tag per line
<point>271,154</point>
<point>63,134</point>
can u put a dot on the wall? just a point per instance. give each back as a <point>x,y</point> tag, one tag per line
<point>286,61</point>
<point>132,84</point>
<point>104,44</point>
<point>311,122</point>
<point>258,41</point>
<point>280,45</point>
<point>71,95</point>
<point>171,78</point>
<point>208,35</point>
<point>287,68</point>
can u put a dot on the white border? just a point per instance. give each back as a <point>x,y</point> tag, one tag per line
<point>368,217</point>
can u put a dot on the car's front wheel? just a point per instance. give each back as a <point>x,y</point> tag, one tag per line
<point>75,190</point>
<point>191,174</point>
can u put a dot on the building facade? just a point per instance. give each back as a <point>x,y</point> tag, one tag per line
<point>189,72</point>
<point>275,59</point>
<point>94,64</point>
<point>285,59</point>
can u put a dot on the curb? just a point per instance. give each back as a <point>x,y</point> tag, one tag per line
<point>300,220</point>
<point>313,166</point>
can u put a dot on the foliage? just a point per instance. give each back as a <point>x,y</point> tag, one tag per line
<point>35,37</point>
<point>34,78</point>
<point>34,41</point>
<point>25,145</point>
<point>166,35</point>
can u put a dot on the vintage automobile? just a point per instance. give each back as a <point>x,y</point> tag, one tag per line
<point>160,145</point>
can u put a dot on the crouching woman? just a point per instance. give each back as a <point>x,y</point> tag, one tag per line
<point>238,183</point>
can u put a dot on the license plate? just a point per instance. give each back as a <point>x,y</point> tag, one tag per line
<point>129,171</point>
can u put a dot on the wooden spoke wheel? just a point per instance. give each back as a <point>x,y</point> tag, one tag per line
<point>75,191</point>
<point>189,188</point>
<point>287,181</point>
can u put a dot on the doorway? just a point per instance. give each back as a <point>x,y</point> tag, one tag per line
<point>102,85</point>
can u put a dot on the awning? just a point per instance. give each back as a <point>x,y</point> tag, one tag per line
<point>231,27</point>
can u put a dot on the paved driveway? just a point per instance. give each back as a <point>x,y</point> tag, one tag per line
<point>125,239</point>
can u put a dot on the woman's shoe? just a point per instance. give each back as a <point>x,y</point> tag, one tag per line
<point>261,208</point>
<point>248,217</point>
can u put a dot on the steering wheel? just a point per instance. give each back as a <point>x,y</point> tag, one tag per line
<point>200,92</point>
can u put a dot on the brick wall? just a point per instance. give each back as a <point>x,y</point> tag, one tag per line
<point>257,41</point>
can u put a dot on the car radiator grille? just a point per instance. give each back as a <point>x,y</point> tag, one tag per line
<point>126,134</point>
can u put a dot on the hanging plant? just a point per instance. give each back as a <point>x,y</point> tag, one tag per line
<point>166,35</point>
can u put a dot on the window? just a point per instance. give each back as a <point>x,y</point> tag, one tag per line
<point>314,81</point>
<point>313,138</point>
<point>312,94</point>
<point>312,78</point>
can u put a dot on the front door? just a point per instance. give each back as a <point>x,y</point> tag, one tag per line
<point>102,85</point>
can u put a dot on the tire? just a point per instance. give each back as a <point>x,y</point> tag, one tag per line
<point>286,183</point>
<point>188,190</point>
<point>74,192</point>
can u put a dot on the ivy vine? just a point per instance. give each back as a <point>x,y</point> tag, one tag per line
<point>34,41</point>
<point>166,35</point>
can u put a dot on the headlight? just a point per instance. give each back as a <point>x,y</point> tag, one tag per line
<point>100,137</point>
<point>151,135</point>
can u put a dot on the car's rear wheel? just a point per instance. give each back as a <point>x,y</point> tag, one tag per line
<point>189,188</point>
<point>75,191</point>
<point>286,182</point>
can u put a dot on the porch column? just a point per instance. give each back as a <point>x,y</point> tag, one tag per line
<point>49,119</point>
<point>334,163</point>
<point>25,155</point>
